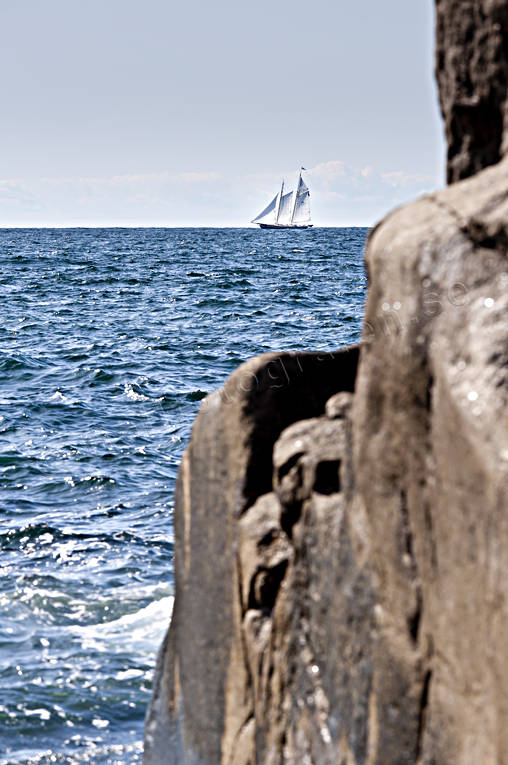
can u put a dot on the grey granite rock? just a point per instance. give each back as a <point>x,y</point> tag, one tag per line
<point>226,468</point>
<point>430,420</point>
<point>472,73</point>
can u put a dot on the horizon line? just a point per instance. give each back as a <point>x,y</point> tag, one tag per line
<point>10,227</point>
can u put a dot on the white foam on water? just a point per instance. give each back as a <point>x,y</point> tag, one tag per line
<point>138,633</point>
<point>134,395</point>
<point>57,396</point>
<point>112,754</point>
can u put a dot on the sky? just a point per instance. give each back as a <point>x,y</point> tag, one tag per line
<point>156,112</point>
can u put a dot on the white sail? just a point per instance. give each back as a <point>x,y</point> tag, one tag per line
<point>286,205</point>
<point>269,213</point>
<point>301,213</point>
<point>279,200</point>
<point>291,210</point>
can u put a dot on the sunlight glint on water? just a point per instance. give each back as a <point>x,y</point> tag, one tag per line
<point>108,341</point>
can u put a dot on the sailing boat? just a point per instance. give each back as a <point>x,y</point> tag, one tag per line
<point>291,210</point>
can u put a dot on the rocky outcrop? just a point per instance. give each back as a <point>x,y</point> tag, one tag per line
<point>431,422</point>
<point>200,702</point>
<point>472,73</point>
<point>341,520</point>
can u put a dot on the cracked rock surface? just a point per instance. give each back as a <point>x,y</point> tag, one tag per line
<point>234,556</point>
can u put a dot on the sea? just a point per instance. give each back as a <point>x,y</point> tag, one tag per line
<point>109,340</point>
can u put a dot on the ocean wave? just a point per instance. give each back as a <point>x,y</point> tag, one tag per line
<point>138,633</point>
<point>109,341</point>
<point>92,753</point>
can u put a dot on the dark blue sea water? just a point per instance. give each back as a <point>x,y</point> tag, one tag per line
<point>109,338</point>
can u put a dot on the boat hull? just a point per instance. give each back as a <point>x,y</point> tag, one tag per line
<point>270,225</point>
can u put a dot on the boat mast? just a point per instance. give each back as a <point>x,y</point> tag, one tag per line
<point>278,203</point>
<point>296,197</point>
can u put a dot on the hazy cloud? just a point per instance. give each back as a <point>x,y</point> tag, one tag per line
<point>341,194</point>
<point>15,197</point>
<point>328,172</point>
<point>401,179</point>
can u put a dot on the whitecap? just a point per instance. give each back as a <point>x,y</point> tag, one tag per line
<point>43,714</point>
<point>134,395</point>
<point>140,632</point>
<point>99,723</point>
<point>58,396</point>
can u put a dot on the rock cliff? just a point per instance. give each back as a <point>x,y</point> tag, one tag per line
<point>341,522</point>
<point>472,73</point>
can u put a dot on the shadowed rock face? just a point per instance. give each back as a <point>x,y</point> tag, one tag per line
<point>472,73</point>
<point>226,468</point>
<point>341,521</point>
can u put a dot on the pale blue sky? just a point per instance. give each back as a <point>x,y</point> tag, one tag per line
<point>152,112</point>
